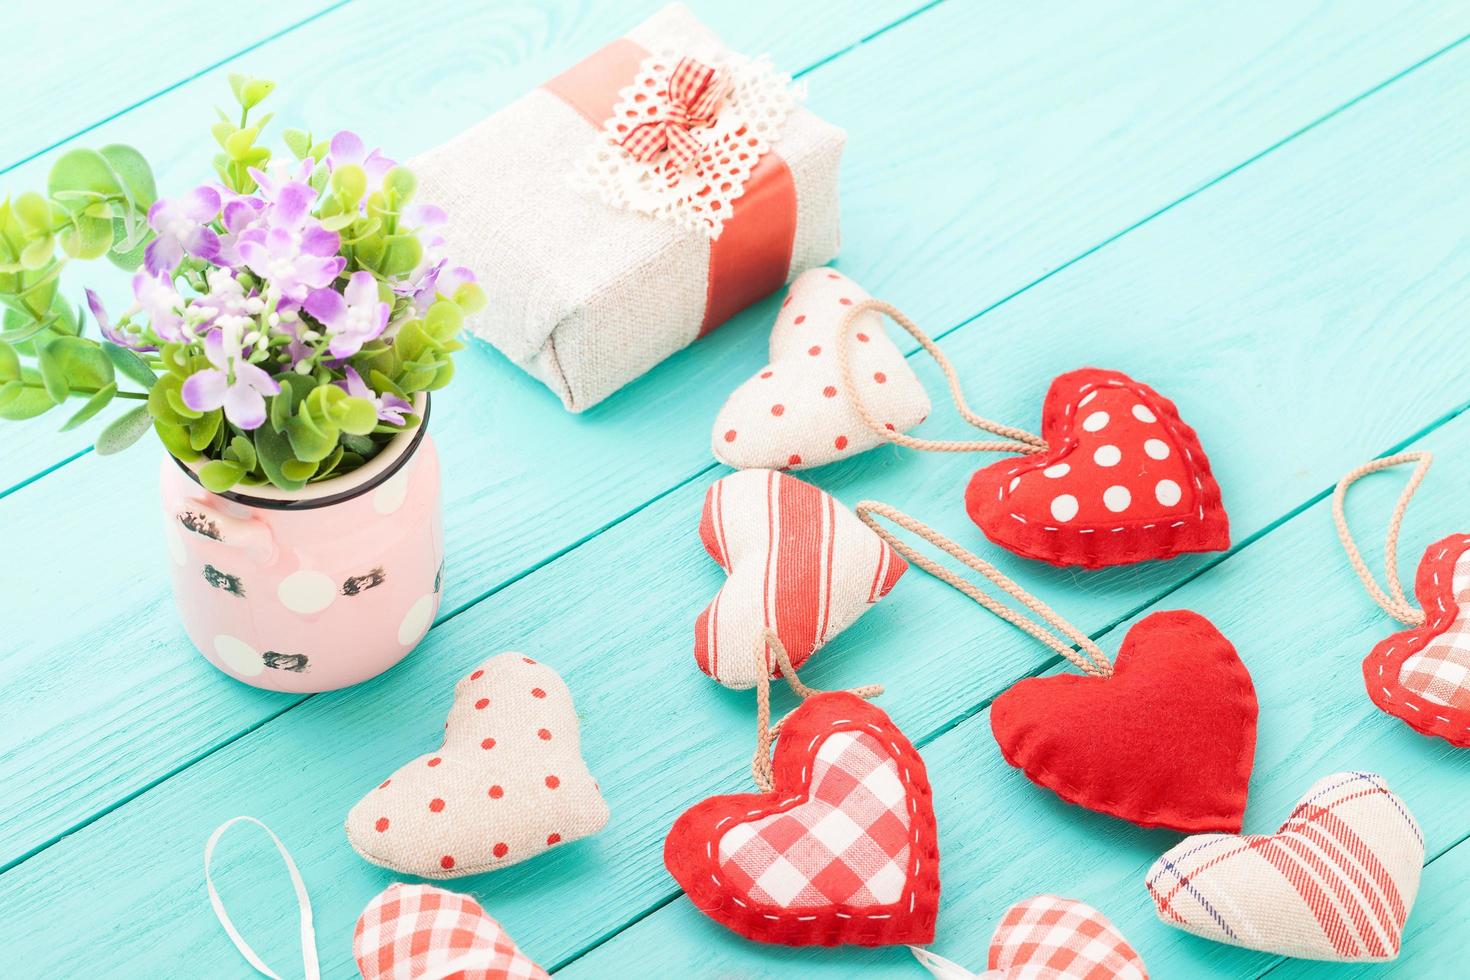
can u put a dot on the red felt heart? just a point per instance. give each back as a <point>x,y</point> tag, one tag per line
<point>1422,675</point>
<point>1124,480</point>
<point>1167,741</point>
<point>842,850</point>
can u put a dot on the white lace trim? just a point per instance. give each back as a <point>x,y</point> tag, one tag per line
<point>702,197</point>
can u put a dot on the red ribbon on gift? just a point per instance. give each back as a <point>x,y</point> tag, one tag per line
<point>752,256</point>
<point>695,93</point>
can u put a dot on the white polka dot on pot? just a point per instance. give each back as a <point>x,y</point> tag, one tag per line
<point>175,544</point>
<point>1156,449</point>
<point>1064,507</point>
<point>417,620</point>
<point>1167,492</point>
<point>1107,456</point>
<point>306,591</point>
<point>237,656</point>
<point>1117,499</point>
<point>390,496</point>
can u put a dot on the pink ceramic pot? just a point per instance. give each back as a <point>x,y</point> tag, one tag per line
<point>315,589</point>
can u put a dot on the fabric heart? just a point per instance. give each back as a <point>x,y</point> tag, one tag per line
<point>1167,741</point>
<point>842,850</point>
<point>1124,480</point>
<point>798,562</point>
<point>793,414</point>
<point>507,783</point>
<point>1422,675</point>
<point>418,932</point>
<point>1336,882</point>
<point>1049,938</point>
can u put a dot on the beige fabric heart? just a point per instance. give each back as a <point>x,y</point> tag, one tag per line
<point>508,783</point>
<point>1336,882</point>
<point>793,414</point>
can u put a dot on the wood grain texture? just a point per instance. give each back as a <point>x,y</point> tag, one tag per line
<point>1301,623</point>
<point>517,494</point>
<point>1240,349</point>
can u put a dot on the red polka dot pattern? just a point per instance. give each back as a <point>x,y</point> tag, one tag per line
<point>500,850</point>
<point>436,805</point>
<point>488,743</point>
<point>553,839</point>
<point>552,782</point>
<point>496,792</point>
<point>543,734</point>
<point>482,704</point>
<point>446,862</point>
<point>381,825</point>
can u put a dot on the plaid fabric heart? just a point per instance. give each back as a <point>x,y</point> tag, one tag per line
<point>1336,882</point>
<point>799,563</point>
<point>1049,938</point>
<point>842,850</point>
<point>419,932</point>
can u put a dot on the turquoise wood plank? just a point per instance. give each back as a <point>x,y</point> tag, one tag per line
<point>305,769</point>
<point>1436,941</point>
<point>75,64</point>
<point>1301,623</point>
<point>555,480</point>
<point>1079,124</point>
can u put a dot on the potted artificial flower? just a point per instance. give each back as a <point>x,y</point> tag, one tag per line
<point>288,323</point>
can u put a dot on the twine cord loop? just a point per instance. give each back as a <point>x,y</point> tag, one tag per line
<point>1394,602</point>
<point>766,733</point>
<point>1016,440</point>
<point>1095,662</point>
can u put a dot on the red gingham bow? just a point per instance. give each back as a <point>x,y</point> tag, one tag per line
<point>695,93</point>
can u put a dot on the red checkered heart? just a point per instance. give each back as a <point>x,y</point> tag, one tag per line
<point>1167,741</point>
<point>1050,938</point>
<point>842,850</point>
<point>1124,480</point>
<point>1336,882</point>
<point>799,563</point>
<point>418,932</point>
<point>1422,675</point>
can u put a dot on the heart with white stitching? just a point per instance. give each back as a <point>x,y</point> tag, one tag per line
<point>1124,480</point>
<point>799,563</point>
<point>1336,882</point>
<point>1422,675</point>
<point>792,414</point>
<point>843,850</point>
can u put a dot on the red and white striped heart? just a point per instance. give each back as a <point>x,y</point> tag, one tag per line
<point>792,413</point>
<point>1047,937</point>
<point>410,932</point>
<point>842,850</point>
<point>799,563</point>
<point>1336,882</point>
<point>1422,675</point>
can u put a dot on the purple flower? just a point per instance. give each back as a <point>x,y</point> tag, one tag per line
<point>234,383</point>
<point>390,406</point>
<point>348,148</point>
<point>352,317</point>
<point>119,334</point>
<point>158,298</point>
<point>239,215</point>
<point>294,262</point>
<point>437,280</point>
<point>289,196</point>
<point>183,226</point>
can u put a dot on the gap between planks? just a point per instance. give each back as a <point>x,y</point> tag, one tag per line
<point>538,565</point>
<point>962,717</point>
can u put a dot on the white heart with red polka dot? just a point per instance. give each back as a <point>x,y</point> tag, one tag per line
<point>792,414</point>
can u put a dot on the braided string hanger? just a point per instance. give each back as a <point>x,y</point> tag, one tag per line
<point>1394,602</point>
<point>1019,440</point>
<point>766,733</point>
<point>1095,663</point>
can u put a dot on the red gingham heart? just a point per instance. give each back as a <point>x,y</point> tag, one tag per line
<point>1050,938</point>
<point>842,850</point>
<point>409,932</point>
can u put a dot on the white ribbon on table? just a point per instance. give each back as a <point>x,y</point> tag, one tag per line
<point>303,902</point>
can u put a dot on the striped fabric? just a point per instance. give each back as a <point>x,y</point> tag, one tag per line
<point>419,932</point>
<point>1336,882</point>
<point>1440,673</point>
<point>798,562</point>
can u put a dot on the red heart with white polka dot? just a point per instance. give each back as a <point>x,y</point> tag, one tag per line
<point>1124,480</point>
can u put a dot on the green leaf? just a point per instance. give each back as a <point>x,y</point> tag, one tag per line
<point>134,175</point>
<point>53,375</point>
<point>349,183</point>
<point>310,441</point>
<point>361,445</point>
<point>274,450</point>
<point>9,363</point>
<point>217,475</point>
<point>133,367</point>
<point>355,415</point>
<point>33,212</point>
<point>280,412</point>
<point>401,181</point>
<point>298,142</point>
<point>83,170</point>
<point>240,143</point>
<point>94,405</point>
<point>401,255</point>
<point>25,398</point>
<point>338,221</point>
<point>128,259</point>
<point>325,468</point>
<point>175,398</point>
<point>470,298</point>
<point>175,439</point>
<point>298,469</point>
<point>86,237</point>
<point>443,320</point>
<point>82,361</point>
<point>124,430</point>
<point>203,430</point>
<point>37,253</point>
<point>242,451</point>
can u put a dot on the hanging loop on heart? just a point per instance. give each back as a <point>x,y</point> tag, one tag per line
<point>1394,602</point>
<point>1015,440</point>
<point>769,646</point>
<point>1095,662</point>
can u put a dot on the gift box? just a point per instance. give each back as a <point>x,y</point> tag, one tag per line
<point>635,202</point>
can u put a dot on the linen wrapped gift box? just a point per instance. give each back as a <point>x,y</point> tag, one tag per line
<point>600,264</point>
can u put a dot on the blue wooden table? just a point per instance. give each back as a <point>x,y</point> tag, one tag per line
<point>1260,208</point>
